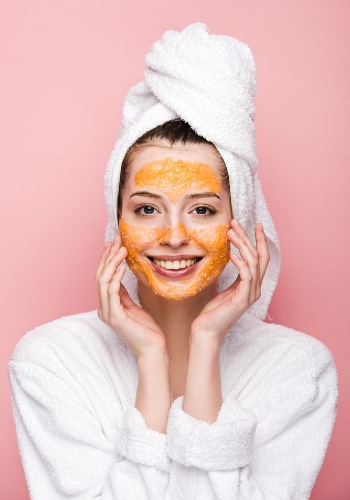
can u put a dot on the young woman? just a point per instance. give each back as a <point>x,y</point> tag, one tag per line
<point>175,216</point>
<point>175,387</point>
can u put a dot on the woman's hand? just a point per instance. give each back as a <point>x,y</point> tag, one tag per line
<point>136,327</point>
<point>221,313</point>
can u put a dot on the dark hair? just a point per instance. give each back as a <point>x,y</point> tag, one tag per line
<point>176,130</point>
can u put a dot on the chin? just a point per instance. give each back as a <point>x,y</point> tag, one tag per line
<point>178,291</point>
<point>181,288</point>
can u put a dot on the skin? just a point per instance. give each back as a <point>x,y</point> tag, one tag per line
<point>176,343</point>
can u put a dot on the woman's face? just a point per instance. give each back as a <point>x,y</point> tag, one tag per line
<point>174,218</point>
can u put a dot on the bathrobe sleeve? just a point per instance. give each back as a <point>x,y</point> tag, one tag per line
<point>65,452</point>
<point>272,451</point>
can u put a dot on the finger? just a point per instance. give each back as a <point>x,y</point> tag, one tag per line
<point>109,251</point>
<point>263,250</point>
<point>125,298</point>
<point>252,259</point>
<point>117,244</point>
<point>106,278</point>
<point>245,279</point>
<point>114,303</point>
<point>102,262</point>
<point>236,226</point>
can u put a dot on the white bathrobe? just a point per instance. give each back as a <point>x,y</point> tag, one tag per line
<point>73,389</point>
<point>74,381</point>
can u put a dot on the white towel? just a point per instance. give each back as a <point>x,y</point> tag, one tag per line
<point>208,81</point>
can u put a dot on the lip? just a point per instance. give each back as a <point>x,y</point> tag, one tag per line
<point>174,273</point>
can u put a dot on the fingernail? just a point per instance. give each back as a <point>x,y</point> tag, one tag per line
<point>233,233</point>
<point>235,221</point>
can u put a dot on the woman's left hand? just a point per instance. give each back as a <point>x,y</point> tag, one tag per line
<point>221,313</point>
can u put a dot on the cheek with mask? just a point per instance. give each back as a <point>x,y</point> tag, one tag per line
<point>174,179</point>
<point>212,243</point>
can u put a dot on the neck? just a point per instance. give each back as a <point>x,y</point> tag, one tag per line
<point>175,316</point>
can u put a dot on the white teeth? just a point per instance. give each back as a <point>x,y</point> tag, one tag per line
<point>175,264</point>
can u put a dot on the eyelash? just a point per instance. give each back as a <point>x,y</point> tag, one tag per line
<point>137,209</point>
<point>211,210</point>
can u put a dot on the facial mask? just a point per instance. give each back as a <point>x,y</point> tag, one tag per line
<point>174,179</point>
<point>211,241</point>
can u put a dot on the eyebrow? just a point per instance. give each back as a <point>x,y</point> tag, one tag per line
<point>148,194</point>
<point>145,193</point>
<point>209,194</point>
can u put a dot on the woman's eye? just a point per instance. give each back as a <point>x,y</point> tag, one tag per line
<point>145,210</point>
<point>205,211</point>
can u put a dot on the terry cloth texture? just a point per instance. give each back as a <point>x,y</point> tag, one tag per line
<point>73,389</point>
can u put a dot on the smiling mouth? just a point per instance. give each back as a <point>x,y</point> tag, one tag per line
<point>175,265</point>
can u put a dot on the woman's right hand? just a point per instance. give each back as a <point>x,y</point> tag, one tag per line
<point>136,327</point>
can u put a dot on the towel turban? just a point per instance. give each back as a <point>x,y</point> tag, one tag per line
<point>209,81</point>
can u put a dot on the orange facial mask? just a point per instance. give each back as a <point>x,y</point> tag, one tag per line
<point>176,178</point>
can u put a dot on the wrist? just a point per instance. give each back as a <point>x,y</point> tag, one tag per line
<point>204,341</point>
<point>211,340</point>
<point>153,357</point>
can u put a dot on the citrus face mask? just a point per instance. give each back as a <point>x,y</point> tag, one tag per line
<point>177,278</point>
<point>176,178</point>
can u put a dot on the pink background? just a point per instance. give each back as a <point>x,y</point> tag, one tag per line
<point>66,67</point>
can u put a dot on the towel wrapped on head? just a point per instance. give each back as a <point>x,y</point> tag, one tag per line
<point>209,82</point>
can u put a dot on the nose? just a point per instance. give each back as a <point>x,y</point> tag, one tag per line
<point>175,236</point>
